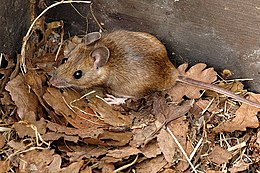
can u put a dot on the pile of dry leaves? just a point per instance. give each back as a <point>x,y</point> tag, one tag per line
<point>45,129</point>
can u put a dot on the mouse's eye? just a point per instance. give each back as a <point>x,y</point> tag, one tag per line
<point>64,60</point>
<point>77,74</point>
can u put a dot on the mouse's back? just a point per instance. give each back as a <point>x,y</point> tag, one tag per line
<point>138,64</point>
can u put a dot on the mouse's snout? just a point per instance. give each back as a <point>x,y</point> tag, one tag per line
<point>56,82</point>
<point>52,73</point>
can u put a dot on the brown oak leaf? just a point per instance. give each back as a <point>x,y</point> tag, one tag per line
<point>239,166</point>
<point>245,117</point>
<point>151,149</point>
<point>179,128</point>
<point>109,116</point>
<point>5,166</point>
<point>120,154</point>
<point>219,155</point>
<point>24,99</point>
<point>196,72</point>
<point>2,141</point>
<point>80,116</point>
<point>153,165</point>
<point>37,160</point>
<point>167,145</point>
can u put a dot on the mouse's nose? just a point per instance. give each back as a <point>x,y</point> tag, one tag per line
<point>51,73</point>
<point>58,83</point>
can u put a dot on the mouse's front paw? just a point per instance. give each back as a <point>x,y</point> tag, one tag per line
<point>112,100</point>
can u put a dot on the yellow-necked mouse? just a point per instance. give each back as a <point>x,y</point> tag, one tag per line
<point>127,64</point>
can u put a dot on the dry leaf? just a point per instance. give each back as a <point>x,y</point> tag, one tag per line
<point>60,103</point>
<point>165,113</point>
<point>219,155</point>
<point>239,166</point>
<point>203,104</point>
<point>108,168</point>
<point>168,171</point>
<point>6,99</point>
<point>180,128</point>
<point>87,169</point>
<point>116,138</point>
<point>167,145</point>
<point>245,118</point>
<point>197,72</point>
<point>18,89</point>
<point>2,141</point>
<point>212,171</point>
<point>36,160</point>
<point>71,134</point>
<point>151,149</point>
<point>45,62</point>
<point>234,86</point>
<point>258,138</point>
<point>73,167</point>
<point>109,115</point>
<point>30,126</point>
<point>55,166</point>
<point>36,81</point>
<point>144,135</point>
<point>153,165</point>
<point>119,154</point>
<point>5,166</point>
<point>79,152</point>
<point>16,145</point>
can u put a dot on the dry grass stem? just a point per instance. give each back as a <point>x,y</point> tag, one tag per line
<point>241,145</point>
<point>126,166</point>
<point>210,103</point>
<point>71,108</point>
<point>5,129</point>
<point>182,150</point>
<point>196,148</point>
<point>26,37</point>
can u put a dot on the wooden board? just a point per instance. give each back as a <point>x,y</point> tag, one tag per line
<point>223,34</point>
<point>14,21</point>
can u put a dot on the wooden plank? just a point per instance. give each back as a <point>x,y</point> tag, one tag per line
<point>223,34</point>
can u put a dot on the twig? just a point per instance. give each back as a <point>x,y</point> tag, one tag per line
<point>97,96</point>
<point>196,148</point>
<point>1,58</point>
<point>207,107</point>
<point>26,37</point>
<point>61,42</point>
<point>182,150</point>
<point>241,145</point>
<point>82,111</point>
<point>38,136</point>
<point>78,114</point>
<point>5,129</point>
<point>24,151</point>
<point>94,17</point>
<point>126,166</point>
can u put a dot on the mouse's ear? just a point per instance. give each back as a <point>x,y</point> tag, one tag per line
<point>91,38</point>
<point>100,56</point>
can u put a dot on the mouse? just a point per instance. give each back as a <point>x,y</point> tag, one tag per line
<point>127,64</point>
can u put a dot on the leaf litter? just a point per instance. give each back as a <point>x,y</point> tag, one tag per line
<point>45,129</point>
